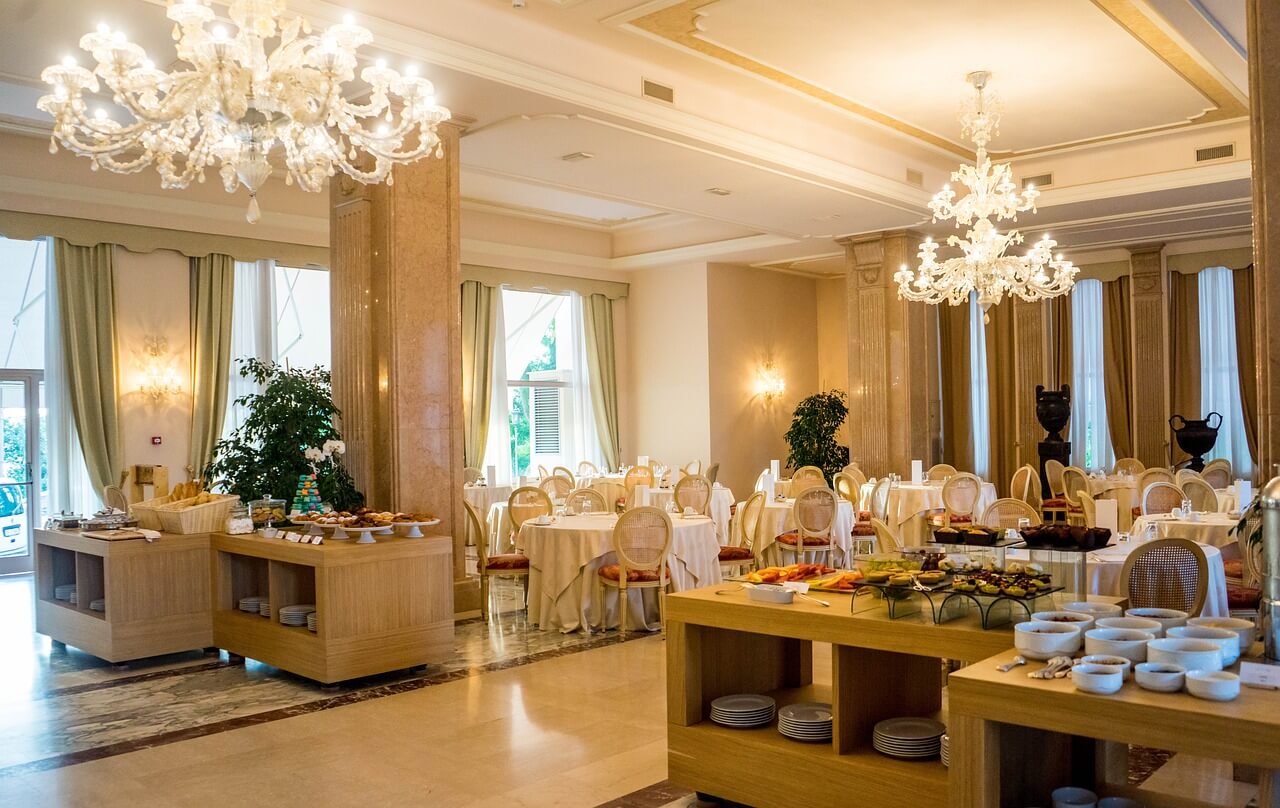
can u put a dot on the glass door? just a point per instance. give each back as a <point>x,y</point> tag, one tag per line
<point>23,490</point>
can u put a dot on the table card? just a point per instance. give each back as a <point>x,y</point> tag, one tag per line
<point>1261,675</point>
<point>642,460</point>
<point>1244,494</point>
<point>775,469</point>
<point>491,475</point>
<point>1107,514</point>
<point>917,472</point>
<point>769,486</point>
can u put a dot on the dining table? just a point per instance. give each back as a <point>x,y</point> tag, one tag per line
<point>1123,488</point>
<point>483,496</point>
<point>719,508</point>
<point>565,557</point>
<point>778,517</point>
<point>1214,529</point>
<point>910,505</point>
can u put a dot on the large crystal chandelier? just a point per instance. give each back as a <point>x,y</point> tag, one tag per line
<point>232,101</point>
<point>984,267</point>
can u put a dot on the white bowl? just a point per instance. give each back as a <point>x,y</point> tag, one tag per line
<point>1225,638</point>
<point>1072,797</point>
<point>1139,623</point>
<point>1118,802</point>
<point>1082,619</point>
<point>1110,661</point>
<point>1194,655</point>
<point>1094,607</point>
<point>1126,642</point>
<point>1247,629</point>
<point>1159,676</point>
<point>1169,618</point>
<point>1044,640</point>
<point>1101,679</point>
<point>1213,685</point>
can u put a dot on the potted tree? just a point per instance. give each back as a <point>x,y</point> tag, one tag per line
<point>812,436</point>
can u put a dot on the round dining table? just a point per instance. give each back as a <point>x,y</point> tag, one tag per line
<point>483,496</point>
<point>778,518</point>
<point>1206,528</point>
<point>566,555</point>
<point>1123,488</point>
<point>719,509</point>
<point>911,503</point>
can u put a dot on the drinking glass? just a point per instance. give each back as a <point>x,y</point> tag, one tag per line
<point>1186,507</point>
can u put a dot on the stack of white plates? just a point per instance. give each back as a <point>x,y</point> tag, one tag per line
<point>75,596</point>
<point>805,722</point>
<point>251,604</point>
<point>296,615</point>
<point>64,592</point>
<point>99,605</point>
<point>311,621</point>
<point>264,608</point>
<point>909,738</point>
<point>946,751</point>
<point>744,710</point>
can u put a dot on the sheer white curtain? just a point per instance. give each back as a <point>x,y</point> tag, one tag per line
<point>1090,438</point>
<point>252,331</point>
<point>70,488</point>
<point>1219,376</point>
<point>584,442</point>
<point>497,449</point>
<point>979,401</point>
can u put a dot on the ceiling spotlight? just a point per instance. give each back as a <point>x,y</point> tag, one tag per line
<point>719,191</point>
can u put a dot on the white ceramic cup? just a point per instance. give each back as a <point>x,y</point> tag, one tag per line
<point>1072,797</point>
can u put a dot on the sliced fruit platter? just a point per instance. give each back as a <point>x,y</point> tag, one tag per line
<point>841,581</point>
<point>791,572</point>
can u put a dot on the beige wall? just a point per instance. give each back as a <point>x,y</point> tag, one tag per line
<point>756,317</point>
<point>833,340</point>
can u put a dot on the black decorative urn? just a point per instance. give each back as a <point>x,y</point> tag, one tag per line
<point>1196,438</point>
<point>1053,411</point>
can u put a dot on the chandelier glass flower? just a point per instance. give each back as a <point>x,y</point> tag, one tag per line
<point>274,90</point>
<point>992,196</point>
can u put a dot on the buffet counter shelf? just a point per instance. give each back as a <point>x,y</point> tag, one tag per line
<point>721,644</point>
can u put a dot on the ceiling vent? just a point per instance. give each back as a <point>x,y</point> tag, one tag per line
<point>577,156</point>
<point>1215,152</point>
<point>658,92</point>
<point>1039,181</point>
<point>915,178</point>
<point>719,191</point>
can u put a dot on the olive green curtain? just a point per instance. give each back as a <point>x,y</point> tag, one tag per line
<point>1002,383</point>
<point>479,340</point>
<point>1246,356</point>
<point>1184,344</point>
<point>86,302</point>
<point>957,395</point>
<point>602,371</point>
<point>1117,378</point>
<point>212,289</point>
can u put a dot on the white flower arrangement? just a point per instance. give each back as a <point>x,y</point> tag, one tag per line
<point>333,447</point>
<point>314,455</point>
<point>319,455</point>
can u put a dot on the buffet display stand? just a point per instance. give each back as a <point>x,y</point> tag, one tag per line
<point>723,644</point>
<point>155,594</point>
<point>1014,739</point>
<point>379,607</point>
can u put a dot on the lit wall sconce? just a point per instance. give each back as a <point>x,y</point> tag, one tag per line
<point>769,383</point>
<point>159,381</point>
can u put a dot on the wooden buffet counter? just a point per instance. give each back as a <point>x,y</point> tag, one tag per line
<point>379,607</point>
<point>156,594</point>
<point>880,668</point>
<point>1014,739</point>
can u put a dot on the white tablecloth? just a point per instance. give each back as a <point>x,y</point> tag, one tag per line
<point>482,496</point>
<point>1123,489</point>
<point>910,504</point>
<point>498,525</point>
<point>1228,500</point>
<point>721,505</point>
<point>564,558</point>
<point>777,519</point>
<point>1212,528</point>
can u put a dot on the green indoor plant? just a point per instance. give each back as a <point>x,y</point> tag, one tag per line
<point>265,457</point>
<point>812,436</point>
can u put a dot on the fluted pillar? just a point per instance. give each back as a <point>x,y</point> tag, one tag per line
<point>1264,112</point>
<point>1149,307</point>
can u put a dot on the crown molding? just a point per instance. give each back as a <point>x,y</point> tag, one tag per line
<point>472,249</point>
<point>552,217</point>
<point>1146,183</point>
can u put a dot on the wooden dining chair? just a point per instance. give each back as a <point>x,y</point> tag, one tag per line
<point>859,480</point>
<point>807,477</point>
<point>1186,474</point>
<point>637,475</point>
<point>527,503</point>
<point>564,472</point>
<point>887,539</point>
<point>1145,480</point>
<point>642,546</point>
<point>693,467</point>
<point>746,525</point>
<point>470,474</point>
<point>846,487</point>
<point>588,469</point>
<point>557,486</point>
<point>1005,513</point>
<point>941,471</point>
<point>1203,497</point>
<point>1128,465</point>
<point>849,488</point>
<point>713,471</point>
<point>959,499</point>
<point>1088,509</point>
<point>814,512</point>
<point>1074,480</point>
<point>1217,473</point>
<point>693,491</point>
<point>1166,574</point>
<point>759,484</point>
<point>878,503</point>
<point>506,565</point>
<point>586,500</point>
<point>852,467</point>
<point>1161,498</point>
<point>542,472</point>
<point>1025,486</point>
<point>1054,507</point>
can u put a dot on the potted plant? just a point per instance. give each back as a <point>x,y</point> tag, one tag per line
<point>812,436</point>
<point>269,452</point>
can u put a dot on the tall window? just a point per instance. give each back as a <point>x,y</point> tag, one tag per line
<point>302,316</point>
<point>1090,433</point>
<point>979,400</point>
<point>1219,369</point>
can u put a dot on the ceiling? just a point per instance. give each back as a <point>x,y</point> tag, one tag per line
<point>813,119</point>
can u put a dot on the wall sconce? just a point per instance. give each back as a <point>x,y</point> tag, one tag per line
<point>159,380</point>
<point>769,383</point>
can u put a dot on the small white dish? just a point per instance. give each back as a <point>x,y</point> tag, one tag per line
<point>1043,640</point>
<point>1159,676</point>
<point>1100,679</point>
<point>1168,618</point>
<point>1126,642</point>
<point>1093,607</point>
<point>1072,797</point>
<point>542,520</point>
<point>1213,685</point>
<point>1194,655</point>
<point>1225,638</point>
<point>770,593</point>
<point>1247,630</point>
<point>1082,619</point>
<point>1124,664</point>
<point>1138,623</point>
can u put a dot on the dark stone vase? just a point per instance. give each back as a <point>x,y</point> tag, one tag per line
<point>1053,411</point>
<point>1196,438</point>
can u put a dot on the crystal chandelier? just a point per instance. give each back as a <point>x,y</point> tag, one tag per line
<point>232,101</point>
<point>984,267</point>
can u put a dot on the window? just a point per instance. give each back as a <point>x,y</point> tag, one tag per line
<point>302,317</point>
<point>979,396</point>
<point>22,288</point>
<point>1219,369</point>
<point>1090,433</point>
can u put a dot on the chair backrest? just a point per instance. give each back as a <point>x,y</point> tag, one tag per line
<point>1186,474</point>
<point>527,503</point>
<point>693,467</point>
<point>475,530</point>
<point>1088,508</point>
<point>846,487</point>
<point>638,475</point>
<point>1152,475</point>
<point>1005,513</point>
<point>588,469</point>
<point>642,539</point>
<point>748,520</point>
<point>563,471</point>
<point>1129,465</point>
<point>887,540</point>
<point>542,472</point>
<point>852,467</point>
<point>612,492</point>
<point>807,477</point>
<point>1161,498</point>
<point>1217,476</point>
<point>815,511</point>
<point>470,474</point>
<point>587,500</point>
<point>713,471</point>
<point>859,480</point>
<point>557,486</point>
<point>1203,497</point>
<point>759,485</point>
<point>693,491</point>
<point>960,493</point>
<point>1074,480</point>
<point>941,471</point>
<point>1053,471</point>
<point>879,504</point>
<point>1166,574</point>
<point>659,471</point>
<point>1251,561</point>
<point>1025,486</point>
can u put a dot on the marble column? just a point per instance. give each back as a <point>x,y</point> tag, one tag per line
<point>1149,306</point>
<point>1264,114</point>
<point>397,341</point>
<point>895,408</point>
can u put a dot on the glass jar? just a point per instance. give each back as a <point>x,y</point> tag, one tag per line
<point>238,521</point>
<point>267,511</point>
